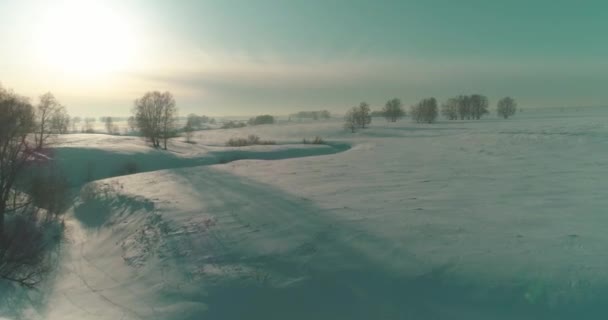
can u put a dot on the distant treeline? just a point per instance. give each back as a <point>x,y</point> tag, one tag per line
<point>314,115</point>
<point>463,107</point>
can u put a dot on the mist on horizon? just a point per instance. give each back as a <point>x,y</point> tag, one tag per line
<point>241,58</point>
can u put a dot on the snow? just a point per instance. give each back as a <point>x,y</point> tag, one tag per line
<point>491,219</point>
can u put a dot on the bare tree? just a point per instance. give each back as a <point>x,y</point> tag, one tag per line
<point>26,219</point>
<point>156,116</point>
<point>47,107</point>
<point>363,115</point>
<point>350,119</point>
<point>425,111</point>
<point>16,122</point>
<point>132,124</point>
<point>450,109</point>
<point>393,110</point>
<point>464,107</point>
<point>110,127</point>
<point>60,121</point>
<point>506,107</point>
<point>478,106</point>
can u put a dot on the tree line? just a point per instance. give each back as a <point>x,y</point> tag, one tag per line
<point>463,107</point>
<point>314,115</point>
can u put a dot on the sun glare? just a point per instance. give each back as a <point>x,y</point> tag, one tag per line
<point>85,38</point>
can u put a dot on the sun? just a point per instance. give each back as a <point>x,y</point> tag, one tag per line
<point>85,38</point>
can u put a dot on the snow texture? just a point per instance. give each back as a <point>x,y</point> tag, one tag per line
<point>456,220</point>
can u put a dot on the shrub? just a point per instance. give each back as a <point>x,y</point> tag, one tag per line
<point>316,140</point>
<point>249,141</point>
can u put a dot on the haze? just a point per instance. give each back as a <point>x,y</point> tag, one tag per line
<point>244,57</point>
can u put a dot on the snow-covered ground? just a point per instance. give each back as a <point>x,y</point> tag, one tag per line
<point>488,219</point>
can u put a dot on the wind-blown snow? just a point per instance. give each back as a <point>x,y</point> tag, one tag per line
<point>460,220</point>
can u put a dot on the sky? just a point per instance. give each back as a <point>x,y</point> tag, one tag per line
<point>229,57</point>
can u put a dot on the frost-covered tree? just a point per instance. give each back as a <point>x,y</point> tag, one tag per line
<point>425,111</point>
<point>506,107</point>
<point>156,116</point>
<point>393,110</point>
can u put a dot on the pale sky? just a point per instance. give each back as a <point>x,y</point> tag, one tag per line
<point>229,57</point>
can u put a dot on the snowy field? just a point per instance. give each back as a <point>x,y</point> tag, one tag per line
<point>488,219</point>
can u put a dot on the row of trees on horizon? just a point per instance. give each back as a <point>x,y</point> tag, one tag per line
<point>463,107</point>
<point>155,116</point>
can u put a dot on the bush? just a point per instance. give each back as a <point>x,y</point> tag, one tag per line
<point>316,140</point>
<point>249,141</point>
